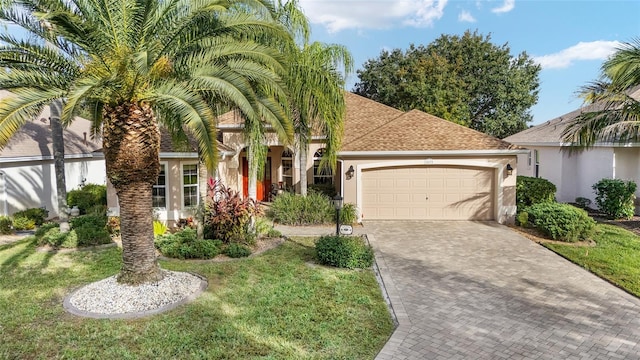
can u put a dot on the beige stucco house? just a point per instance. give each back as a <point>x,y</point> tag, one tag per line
<point>392,165</point>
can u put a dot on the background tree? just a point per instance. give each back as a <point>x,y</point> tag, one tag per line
<point>464,79</point>
<point>614,114</point>
<point>138,65</point>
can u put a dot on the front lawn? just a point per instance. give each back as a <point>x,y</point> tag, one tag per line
<point>273,306</point>
<point>616,256</point>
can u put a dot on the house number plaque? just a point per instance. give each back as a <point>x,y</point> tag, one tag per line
<point>346,229</point>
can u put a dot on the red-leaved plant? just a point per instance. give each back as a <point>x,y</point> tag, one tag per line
<point>228,215</point>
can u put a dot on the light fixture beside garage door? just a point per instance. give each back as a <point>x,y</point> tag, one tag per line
<point>509,170</point>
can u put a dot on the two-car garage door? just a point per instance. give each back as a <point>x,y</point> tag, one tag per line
<point>428,193</point>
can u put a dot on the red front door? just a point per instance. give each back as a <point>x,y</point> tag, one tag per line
<point>263,186</point>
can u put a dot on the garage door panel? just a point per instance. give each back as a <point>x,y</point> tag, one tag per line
<point>424,192</point>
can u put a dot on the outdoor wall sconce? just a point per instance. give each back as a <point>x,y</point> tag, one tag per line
<point>509,170</point>
<point>350,172</point>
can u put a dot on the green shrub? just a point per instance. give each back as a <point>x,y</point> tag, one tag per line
<point>87,197</point>
<point>348,214</point>
<point>38,215</point>
<point>292,209</point>
<point>616,197</point>
<point>100,210</point>
<point>273,233</point>
<point>91,236</point>
<point>344,251</point>
<point>583,202</point>
<point>228,215</point>
<point>262,225</point>
<point>23,223</point>
<point>531,190</point>
<point>98,221</point>
<point>159,228</point>
<point>6,225</point>
<point>184,244</point>
<point>561,221</point>
<point>523,219</point>
<point>91,230</point>
<point>53,237</point>
<point>44,228</point>
<point>237,251</point>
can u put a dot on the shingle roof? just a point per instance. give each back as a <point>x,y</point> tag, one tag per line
<point>371,126</point>
<point>551,131</point>
<point>34,138</point>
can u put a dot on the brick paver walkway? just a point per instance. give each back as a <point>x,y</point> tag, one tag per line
<point>465,290</point>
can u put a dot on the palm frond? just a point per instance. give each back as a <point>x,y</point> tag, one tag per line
<point>22,106</point>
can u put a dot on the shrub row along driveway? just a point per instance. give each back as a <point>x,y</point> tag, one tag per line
<point>465,290</point>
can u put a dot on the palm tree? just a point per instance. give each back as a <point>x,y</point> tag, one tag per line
<point>614,114</point>
<point>317,98</point>
<point>135,65</point>
<point>316,88</point>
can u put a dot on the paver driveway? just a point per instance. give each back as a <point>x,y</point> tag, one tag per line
<point>466,290</point>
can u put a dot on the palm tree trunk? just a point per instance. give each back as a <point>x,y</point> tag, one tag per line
<point>131,144</point>
<point>139,263</point>
<point>203,178</point>
<point>303,169</point>
<point>57,140</point>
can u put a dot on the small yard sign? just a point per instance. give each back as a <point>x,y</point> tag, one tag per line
<point>346,229</point>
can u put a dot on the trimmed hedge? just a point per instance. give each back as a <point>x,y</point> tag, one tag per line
<point>344,251</point>
<point>531,191</point>
<point>562,222</point>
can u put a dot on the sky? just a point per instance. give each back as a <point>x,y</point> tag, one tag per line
<point>570,39</point>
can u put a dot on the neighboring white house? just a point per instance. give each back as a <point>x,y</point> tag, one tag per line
<point>27,173</point>
<point>574,173</point>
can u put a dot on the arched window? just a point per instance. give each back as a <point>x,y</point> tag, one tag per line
<point>321,175</point>
<point>287,169</point>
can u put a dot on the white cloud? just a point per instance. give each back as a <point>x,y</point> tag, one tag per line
<point>466,16</point>
<point>507,6</point>
<point>337,15</point>
<point>595,50</point>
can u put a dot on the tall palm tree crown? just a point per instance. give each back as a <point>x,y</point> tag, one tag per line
<point>135,65</point>
<point>615,113</point>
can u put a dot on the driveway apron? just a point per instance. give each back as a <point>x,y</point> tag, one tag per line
<point>478,290</point>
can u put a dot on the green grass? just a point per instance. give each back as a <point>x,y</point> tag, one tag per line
<point>273,306</point>
<point>616,256</point>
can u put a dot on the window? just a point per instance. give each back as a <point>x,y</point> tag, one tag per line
<point>287,169</point>
<point>537,158</point>
<point>529,159</point>
<point>190,185</point>
<point>321,175</point>
<point>159,192</point>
